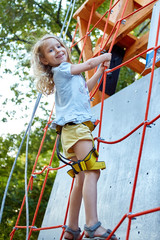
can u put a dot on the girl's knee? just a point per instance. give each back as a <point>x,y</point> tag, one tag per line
<point>93,174</point>
<point>97,174</point>
<point>79,179</point>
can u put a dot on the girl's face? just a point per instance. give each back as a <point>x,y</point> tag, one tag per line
<point>54,53</point>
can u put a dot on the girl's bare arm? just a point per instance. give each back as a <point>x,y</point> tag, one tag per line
<point>90,64</point>
<point>93,80</point>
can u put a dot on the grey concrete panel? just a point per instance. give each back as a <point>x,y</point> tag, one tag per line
<point>153,35</point>
<point>154,25</point>
<point>122,113</point>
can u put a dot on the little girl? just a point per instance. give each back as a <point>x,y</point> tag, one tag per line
<point>54,71</point>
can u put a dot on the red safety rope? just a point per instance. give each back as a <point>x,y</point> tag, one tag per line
<point>129,134</point>
<point>87,33</point>
<point>30,183</point>
<point>105,76</point>
<point>144,130</point>
<point>74,35</point>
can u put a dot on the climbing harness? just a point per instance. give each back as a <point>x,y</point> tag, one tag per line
<point>88,163</point>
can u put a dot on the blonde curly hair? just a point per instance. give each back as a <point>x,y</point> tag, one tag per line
<point>43,73</point>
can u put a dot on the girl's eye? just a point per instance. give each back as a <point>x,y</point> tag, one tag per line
<point>59,46</point>
<point>51,50</point>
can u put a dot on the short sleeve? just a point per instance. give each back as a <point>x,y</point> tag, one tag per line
<point>63,68</point>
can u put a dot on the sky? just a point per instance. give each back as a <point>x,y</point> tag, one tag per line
<point>16,125</point>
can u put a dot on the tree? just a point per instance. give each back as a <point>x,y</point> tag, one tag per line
<point>8,149</point>
<point>21,24</point>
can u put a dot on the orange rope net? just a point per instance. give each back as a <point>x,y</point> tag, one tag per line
<point>144,124</point>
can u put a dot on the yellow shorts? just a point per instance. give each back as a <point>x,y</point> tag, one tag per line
<point>71,134</point>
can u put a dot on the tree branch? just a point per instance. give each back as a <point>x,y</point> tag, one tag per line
<point>144,27</point>
<point>59,9</point>
<point>15,38</point>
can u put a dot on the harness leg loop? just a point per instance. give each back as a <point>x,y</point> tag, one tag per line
<point>88,163</point>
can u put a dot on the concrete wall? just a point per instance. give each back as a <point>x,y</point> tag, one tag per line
<point>152,36</point>
<point>122,113</point>
<point>154,25</point>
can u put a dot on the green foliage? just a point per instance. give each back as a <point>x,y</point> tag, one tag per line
<point>8,150</point>
<point>104,7</point>
<point>126,77</point>
<point>142,28</point>
<point>22,22</point>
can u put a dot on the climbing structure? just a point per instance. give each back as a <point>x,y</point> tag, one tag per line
<point>116,26</point>
<point>117,31</point>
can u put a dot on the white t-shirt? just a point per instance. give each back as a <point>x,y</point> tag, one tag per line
<point>72,100</point>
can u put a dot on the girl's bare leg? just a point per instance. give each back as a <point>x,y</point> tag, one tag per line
<point>81,149</point>
<point>86,184</point>
<point>75,203</point>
